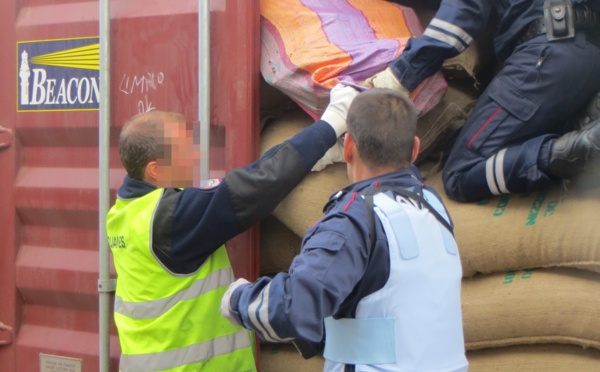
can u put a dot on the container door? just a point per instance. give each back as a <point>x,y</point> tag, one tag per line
<point>49,150</point>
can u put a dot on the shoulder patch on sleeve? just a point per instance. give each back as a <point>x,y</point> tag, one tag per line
<point>331,241</point>
<point>318,254</point>
<point>333,199</point>
<point>210,184</point>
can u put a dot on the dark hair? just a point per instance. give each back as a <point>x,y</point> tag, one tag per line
<point>138,142</point>
<point>383,124</point>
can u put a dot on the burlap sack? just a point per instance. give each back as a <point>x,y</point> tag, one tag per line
<point>278,246</point>
<point>532,307</point>
<point>304,205</point>
<point>544,229</point>
<point>285,358</point>
<point>449,115</point>
<point>550,357</point>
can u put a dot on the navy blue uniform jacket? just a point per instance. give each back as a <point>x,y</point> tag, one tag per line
<point>190,224</point>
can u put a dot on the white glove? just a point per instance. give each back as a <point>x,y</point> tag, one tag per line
<point>334,154</point>
<point>225,301</point>
<point>387,79</point>
<point>340,98</point>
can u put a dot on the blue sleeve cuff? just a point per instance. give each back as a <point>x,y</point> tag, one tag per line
<point>408,77</point>
<point>313,149</point>
<point>234,304</point>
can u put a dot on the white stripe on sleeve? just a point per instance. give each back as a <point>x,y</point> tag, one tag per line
<point>450,40</point>
<point>489,175</point>
<point>258,312</point>
<point>499,171</point>
<point>449,27</point>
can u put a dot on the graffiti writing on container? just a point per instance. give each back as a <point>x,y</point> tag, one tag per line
<point>141,85</point>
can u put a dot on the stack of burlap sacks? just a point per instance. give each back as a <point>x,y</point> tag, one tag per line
<point>531,263</point>
<point>531,292</point>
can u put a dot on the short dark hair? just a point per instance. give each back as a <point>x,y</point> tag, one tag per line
<point>383,124</point>
<point>138,143</point>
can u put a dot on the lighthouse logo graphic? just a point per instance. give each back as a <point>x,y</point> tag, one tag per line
<point>24,74</point>
<point>58,75</point>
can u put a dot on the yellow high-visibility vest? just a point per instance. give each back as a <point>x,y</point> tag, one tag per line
<point>168,321</point>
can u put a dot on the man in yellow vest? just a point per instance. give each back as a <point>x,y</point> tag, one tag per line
<point>168,243</point>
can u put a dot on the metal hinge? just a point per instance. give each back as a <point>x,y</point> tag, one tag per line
<point>6,137</point>
<point>107,285</point>
<point>6,334</point>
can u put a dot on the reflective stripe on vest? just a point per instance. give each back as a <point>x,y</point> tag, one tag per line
<point>185,355</point>
<point>156,308</point>
<point>167,321</point>
<point>420,301</point>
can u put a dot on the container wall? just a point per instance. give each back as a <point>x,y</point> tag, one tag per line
<point>48,236</point>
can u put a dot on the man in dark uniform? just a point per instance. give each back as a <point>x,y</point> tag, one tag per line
<point>377,281</point>
<point>168,243</point>
<point>514,140</point>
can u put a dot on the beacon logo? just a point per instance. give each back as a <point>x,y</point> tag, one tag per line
<point>58,75</point>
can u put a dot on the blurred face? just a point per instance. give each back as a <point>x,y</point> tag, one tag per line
<point>178,167</point>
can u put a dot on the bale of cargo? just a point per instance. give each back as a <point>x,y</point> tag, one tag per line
<point>304,205</point>
<point>540,357</point>
<point>435,127</point>
<point>282,120</point>
<point>532,307</point>
<point>285,357</point>
<point>278,246</point>
<point>547,357</point>
<point>548,228</point>
<point>309,47</point>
